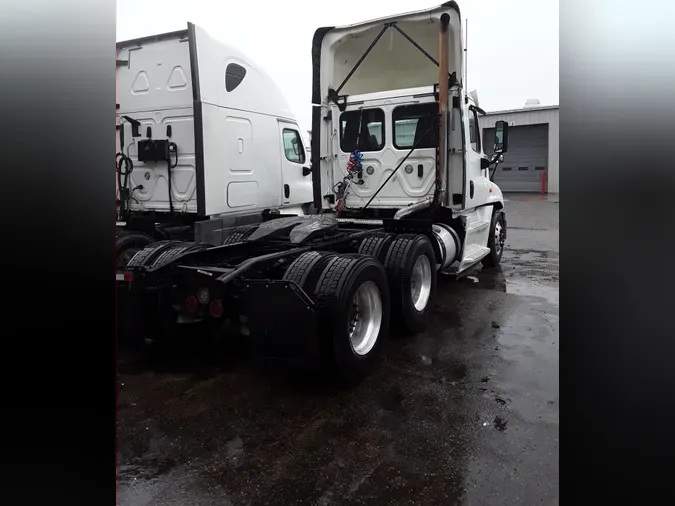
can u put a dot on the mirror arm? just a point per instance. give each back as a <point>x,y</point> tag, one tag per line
<point>495,161</point>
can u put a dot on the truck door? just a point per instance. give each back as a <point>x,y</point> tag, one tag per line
<point>476,177</point>
<point>468,184</point>
<point>297,181</point>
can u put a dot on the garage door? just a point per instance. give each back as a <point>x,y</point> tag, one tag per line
<point>525,162</point>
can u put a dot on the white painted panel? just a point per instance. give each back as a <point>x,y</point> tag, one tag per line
<point>155,88</point>
<point>402,188</point>
<point>258,163</point>
<point>242,194</point>
<point>256,92</point>
<point>149,181</point>
<point>237,134</point>
<point>156,77</point>
<point>393,62</point>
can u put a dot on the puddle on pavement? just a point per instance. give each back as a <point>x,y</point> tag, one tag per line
<point>500,423</point>
<point>523,288</point>
<point>235,451</point>
<point>530,274</point>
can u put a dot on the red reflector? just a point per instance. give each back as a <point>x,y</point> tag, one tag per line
<point>191,303</point>
<point>216,308</point>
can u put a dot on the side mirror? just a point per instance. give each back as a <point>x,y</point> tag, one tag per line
<point>294,143</point>
<point>306,171</point>
<point>501,137</point>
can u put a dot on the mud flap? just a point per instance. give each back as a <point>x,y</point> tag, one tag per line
<point>283,323</point>
<point>130,335</point>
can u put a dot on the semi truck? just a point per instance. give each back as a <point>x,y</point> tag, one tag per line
<point>402,191</point>
<point>205,141</point>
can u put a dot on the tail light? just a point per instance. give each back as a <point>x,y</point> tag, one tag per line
<point>126,276</point>
<point>191,303</point>
<point>216,308</point>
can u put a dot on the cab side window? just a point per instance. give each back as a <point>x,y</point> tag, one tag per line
<point>474,131</point>
<point>293,148</point>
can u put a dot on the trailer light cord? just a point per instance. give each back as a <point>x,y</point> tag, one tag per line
<point>354,167</point>
<point>131,193</point>
<point>124,166</point>
<point>173,148</point>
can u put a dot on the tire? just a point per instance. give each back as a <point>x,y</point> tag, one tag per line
<point>128,244</point>
<point>169,255</point>
<point>149,253</point>
<point>496,240</point>
<point>307,268</point>
<point>405,267</point>
<point>351,353</point>
<point>376,245</point>
<point>240,234</point>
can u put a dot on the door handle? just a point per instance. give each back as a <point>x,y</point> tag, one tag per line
<point>287,191</point>
<point>471,189</point>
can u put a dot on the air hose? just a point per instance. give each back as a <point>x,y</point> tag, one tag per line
<point>354,168</point>
<point>172,148</point>
<point>124,167</point>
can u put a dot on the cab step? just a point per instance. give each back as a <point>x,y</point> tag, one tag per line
<point>478,226</point>
<point>474,255</point>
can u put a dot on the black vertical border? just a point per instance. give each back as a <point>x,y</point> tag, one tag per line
<point>198,121</point>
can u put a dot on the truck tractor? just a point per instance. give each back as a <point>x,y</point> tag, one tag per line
<point>402,192</point>
<point>205,141</point>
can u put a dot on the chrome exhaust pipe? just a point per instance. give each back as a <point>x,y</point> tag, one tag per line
<point>413,208</point>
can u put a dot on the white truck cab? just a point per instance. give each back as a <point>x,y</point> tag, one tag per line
<point>391,93</point>
<point>205,140</point>
<point>234,143</point>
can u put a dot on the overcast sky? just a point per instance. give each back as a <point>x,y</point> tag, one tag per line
<point>513,44</point>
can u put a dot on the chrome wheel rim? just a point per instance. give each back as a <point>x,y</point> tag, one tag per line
<point>420,282</point>
<point>365,318</point>
<point>500,237</point>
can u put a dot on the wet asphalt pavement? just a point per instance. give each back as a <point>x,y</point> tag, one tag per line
<point>466,413</point>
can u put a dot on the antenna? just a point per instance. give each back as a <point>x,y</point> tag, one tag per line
<point>466,54</point>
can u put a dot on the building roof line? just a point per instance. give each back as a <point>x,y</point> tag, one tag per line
<point>524,109</point>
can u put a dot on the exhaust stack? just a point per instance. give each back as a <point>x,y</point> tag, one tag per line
<point>443,88</point>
